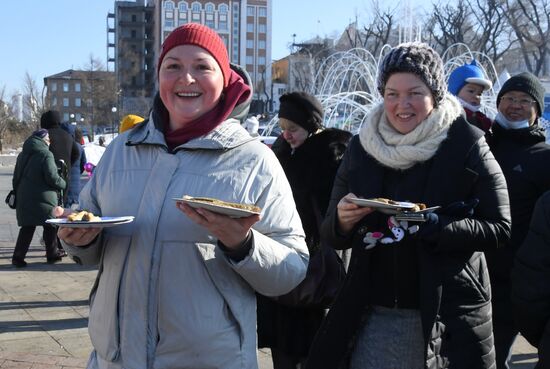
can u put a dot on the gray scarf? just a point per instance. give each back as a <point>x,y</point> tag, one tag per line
<point>402,151</point>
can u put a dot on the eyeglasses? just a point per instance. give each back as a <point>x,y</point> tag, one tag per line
<point>524,103</point>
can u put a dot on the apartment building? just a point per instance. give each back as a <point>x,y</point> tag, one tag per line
<point>81,96</point>
<point>244,25</point>
<point>131,50</point>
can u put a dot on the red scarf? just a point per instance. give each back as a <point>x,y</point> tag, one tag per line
<point>235,93</point>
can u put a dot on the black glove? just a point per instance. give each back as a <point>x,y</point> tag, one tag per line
<point>460,209</point>
<point>429,229</point>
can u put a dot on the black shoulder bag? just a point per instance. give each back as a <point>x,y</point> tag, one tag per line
<point>324,277</point>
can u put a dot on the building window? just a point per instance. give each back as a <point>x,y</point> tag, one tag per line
<point>262,12</point>
<point>196,7</point>
<point>262,28</point>
<point>65,117</point>
<point>249,44</point>
<point>168,5</point>
<point>54,86</point>
<point>169,15</point>
<point>222,22</point>
<point>65,86</point>
<point>261,60</point>
<point>249,59</point>
<point>183,16</point>
<point>209,22</point>
<point>54,101</point>
<point>261,44</point>
<point>222,8</point>
<point>209,8</point>
<point>249,27</point>
<point>250,11</point>
<point>77,87</point>
<point>65,102</point>
<point>169,23</point>
<point>196,16</point>
<point>182,6</point>
<point>77,102</point>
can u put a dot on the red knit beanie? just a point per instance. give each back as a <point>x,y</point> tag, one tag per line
<point>202,36</point>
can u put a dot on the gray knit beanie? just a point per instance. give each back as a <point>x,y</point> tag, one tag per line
<point>417,58</point>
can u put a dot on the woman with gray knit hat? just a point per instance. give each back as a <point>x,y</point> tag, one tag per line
<point>518,143</point>
<point>309,155</point>
<point>417,292</point>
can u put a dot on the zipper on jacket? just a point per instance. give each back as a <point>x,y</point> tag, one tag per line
<point>395,278</point>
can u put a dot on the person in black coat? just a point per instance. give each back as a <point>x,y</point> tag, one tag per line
<point>518,143</point>
<point>36,182</point>
<point>531,282</point>
<point>309,155</point>
<point>417,294</point>
<point>62,144</point>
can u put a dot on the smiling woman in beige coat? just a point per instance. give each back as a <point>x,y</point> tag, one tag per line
<point>175,287</point>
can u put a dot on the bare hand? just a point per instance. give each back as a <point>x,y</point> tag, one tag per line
<point>77,236</point>
<point>229,231</point>
<point>74,236</point>
<point>349,213</point>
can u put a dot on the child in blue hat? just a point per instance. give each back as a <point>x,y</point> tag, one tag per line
<point>468,83</point>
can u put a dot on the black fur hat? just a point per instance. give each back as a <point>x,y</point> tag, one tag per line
<point>50,119</point>
<point>303,109</point>
<point>417,58</point>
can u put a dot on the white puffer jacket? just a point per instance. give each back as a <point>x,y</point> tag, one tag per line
<point>166,295</point>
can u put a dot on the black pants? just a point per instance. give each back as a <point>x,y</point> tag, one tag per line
<point>25,237</point>
<point>282,360</point>
<point>504,330</point>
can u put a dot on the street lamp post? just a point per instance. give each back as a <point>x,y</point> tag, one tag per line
<point>113,109</point>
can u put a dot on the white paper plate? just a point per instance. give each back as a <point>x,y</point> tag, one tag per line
<point>103,223</point>
<point>220,209</point>
<point>382,206</point>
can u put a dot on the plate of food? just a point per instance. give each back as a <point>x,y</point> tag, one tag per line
<point>86,219</point>
<point>389,206</point>
<point>232,209</point>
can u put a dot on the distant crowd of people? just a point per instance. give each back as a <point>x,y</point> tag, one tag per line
<point>185,285</point>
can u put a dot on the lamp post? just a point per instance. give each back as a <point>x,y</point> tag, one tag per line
<point>113,109</point>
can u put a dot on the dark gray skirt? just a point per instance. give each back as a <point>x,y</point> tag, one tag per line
<point>390,338</point>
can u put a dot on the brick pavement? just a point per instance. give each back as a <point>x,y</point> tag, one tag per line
<point>44,309</point>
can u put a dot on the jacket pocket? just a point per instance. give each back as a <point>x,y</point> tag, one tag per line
<point>476,269</point>
<point>104,325</point>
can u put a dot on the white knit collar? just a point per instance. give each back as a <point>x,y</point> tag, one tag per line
<point>402,151</point>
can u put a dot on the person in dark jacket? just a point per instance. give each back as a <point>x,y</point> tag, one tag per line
<point>76,170</point>
<point>62,144</point>
<point>417,294</point>
<point>518,143</point>
<point>309,155</point>
<point>531,282</point>
<point>36,182</point>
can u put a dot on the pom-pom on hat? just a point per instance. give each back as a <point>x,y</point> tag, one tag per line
<point>467,73</point>
<point>129,121</point>
<point>303,109</point>
<point>40,133</point>
<point>202,36</point>
<point>417,58</point>
<point>528,83</point>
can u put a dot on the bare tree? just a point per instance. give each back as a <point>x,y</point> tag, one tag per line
<point>448,25</point>
<point>5,116</point>
<point>33,103</point>
<point>377,33</point>
<point>100,91</point>
<point>493,33</point>
<point>530,21</point>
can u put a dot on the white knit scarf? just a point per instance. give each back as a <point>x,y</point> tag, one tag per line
<point>402,151</point>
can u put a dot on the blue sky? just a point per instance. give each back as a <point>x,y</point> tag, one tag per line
<point>44,37</point>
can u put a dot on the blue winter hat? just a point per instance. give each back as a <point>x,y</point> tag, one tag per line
<point>40,133</point>
<point>467,73</point>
